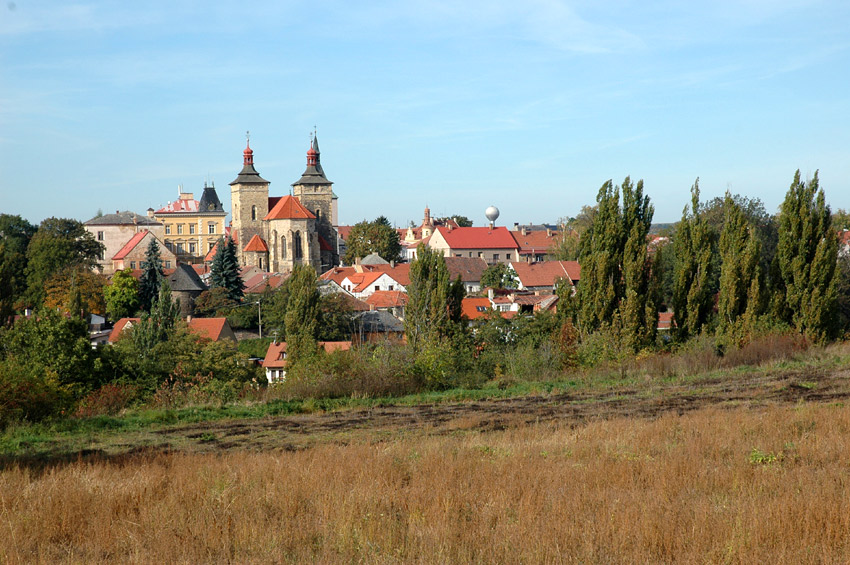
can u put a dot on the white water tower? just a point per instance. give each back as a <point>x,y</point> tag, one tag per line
<point>492,214</point>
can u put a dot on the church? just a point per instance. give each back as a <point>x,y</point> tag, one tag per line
<point>275,233</point>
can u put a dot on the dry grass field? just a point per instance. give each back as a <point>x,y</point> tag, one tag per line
<point>733,484</point>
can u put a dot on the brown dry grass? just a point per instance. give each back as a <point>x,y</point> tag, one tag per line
<point>713,486</point>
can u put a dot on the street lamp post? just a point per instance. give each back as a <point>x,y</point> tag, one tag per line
<point>260,317</point>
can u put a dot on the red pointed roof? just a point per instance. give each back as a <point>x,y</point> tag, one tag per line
<point>289,208</point>
<point>257,244</point>
<point>130,245</point>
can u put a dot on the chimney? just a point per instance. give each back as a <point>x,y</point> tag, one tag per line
<point>188,318</point>
<point>524,231</point>
<point>150,212</point>
<point>392,264</point>
<point>516,226</point>
<point>450,227</point>
<point>491,225</point>
<point>548,232</point>
<point>490,294</point>
<point>358,265</point>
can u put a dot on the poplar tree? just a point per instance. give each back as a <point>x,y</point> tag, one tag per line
<point>806,257</point>
<point>224,271</point>
<point>740,273</point>
<point>616,273</point>
<point>302,314</point>
<point>432,299</point>
<point>694,245</point>
<point>152,277</point>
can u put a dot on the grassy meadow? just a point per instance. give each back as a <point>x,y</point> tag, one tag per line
<point>717,485</point>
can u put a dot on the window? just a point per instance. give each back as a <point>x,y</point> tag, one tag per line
<point>296,245</point>
<point>192,248</point>
<point>495,256</point>
<point>480,254</point>
<point>191,228</point>
<point>132,264</point>
<point>377,287</point>
<point>211,228</point>
<point>283,247</point>
<point>318,214</point>
<point>390,287</point>
<point>169,245</point>
<point>100,236</point>
<point>210,245</point>
<point>179,248</point>
<point>101,254</point>
<point>168,264</point>
<point>260,261</point>
<point>470,253</point>
<point>253,213</point>
<point>458,254</point>
<point>167,229</point>
<point>179,229</point>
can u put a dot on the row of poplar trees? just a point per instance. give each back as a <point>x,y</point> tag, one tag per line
<point>720,281</point>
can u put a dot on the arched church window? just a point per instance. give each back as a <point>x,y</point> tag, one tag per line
<point>296,245</point>
<point>283,247</point>
<point>318,214</point>
<point>253,213</point>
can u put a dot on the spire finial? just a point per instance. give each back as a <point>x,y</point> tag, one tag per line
<point>248,137</point>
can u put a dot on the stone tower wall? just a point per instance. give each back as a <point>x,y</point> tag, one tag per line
<point>243,198</point>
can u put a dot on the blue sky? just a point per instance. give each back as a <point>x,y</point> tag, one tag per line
<point>529,106</point>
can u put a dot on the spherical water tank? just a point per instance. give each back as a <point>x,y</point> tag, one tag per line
<point>492,213</point>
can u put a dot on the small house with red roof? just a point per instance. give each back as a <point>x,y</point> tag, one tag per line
<point>543,276</point>
<point>132,254</point>
<point>535,244</point>
<point>392,301</point>
<point>492,244</point>
<point>276,358</point>
<point>214,329</point>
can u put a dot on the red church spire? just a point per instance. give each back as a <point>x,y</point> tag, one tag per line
<point>248,154</point>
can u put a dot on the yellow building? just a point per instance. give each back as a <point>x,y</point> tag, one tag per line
<point>190,227</point>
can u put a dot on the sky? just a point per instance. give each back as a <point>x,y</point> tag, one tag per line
<point>529,106</point>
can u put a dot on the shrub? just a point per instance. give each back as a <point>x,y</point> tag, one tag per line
<point>30,392</point>
<point>108,400</point>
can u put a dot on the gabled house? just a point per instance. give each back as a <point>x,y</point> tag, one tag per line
<point>469,269</point>
<point>492,244</point>
<point>392,301</point>
<point>132,254</point>
<point>214,329</point>
<point>377,326</point>
<point>360,280</point>
<point>534,244</point>
<point>115,230</point>
<point>276,359</point>
<point>542,276</point>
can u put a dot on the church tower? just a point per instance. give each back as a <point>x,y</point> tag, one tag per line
<point>249,195</point>
<point>314,191</point>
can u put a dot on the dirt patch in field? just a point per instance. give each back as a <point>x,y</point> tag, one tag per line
<point>376,424</point>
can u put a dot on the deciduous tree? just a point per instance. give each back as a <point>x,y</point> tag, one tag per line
<point>377,236</point>
<point>498,276</point>
<point>122,295</point>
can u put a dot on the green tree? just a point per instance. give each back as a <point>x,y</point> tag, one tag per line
<point>224,272</point>
<point>59,243</point>
<point>763,224</point>
<point>302,314</point>
<point>157,326</point>
<point>336,317</point>
<point>695,246</point>
<point>740,250</point>
<point>616,271</point>
<point>15,235</point>
<point>75,283</point>
<point>498,276</point>
<point>152,277</point>
<point>122,295</point>
<point>461,221</point>
<point>567,242</point>
<point>377,236</point>
<point>56,342</point>
<point>805,293</point>
<point>433,307</point>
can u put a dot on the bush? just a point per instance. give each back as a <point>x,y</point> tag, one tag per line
<point>30,392</point>
<point>108,400</point>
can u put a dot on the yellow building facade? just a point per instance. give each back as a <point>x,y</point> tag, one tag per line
<point>190,227</point>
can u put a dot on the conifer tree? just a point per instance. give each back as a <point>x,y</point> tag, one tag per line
<point>157,326</point>
<point>806,258</point>
<point>740,276</point>
<point>616,273</point>
<point>224,271</point>
<point>427,314</point>
<point>152,277</point>
<point>302,314</point>
<point>694,245</point>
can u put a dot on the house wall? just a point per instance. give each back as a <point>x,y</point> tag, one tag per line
<point>135,258</point>
<point>114,237</point>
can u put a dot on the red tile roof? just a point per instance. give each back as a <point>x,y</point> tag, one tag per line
<point>289,208</point>
<point>400,273</point>
<point>120,326</point>
<point>343,231</point>
<point>535,242</point>
<point>478,238</point>
<point>256,244</point>
<point>545,273</point>
<point>130,245</point>
<point>210,328</point>
<point>258,283</point>
<point>211,255</point>
<point>475,307</point>
<point>665,320</point>
<point>324,245</point>
<point>387,299</point>
<point>179,206</point>
<point>276,353</point>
